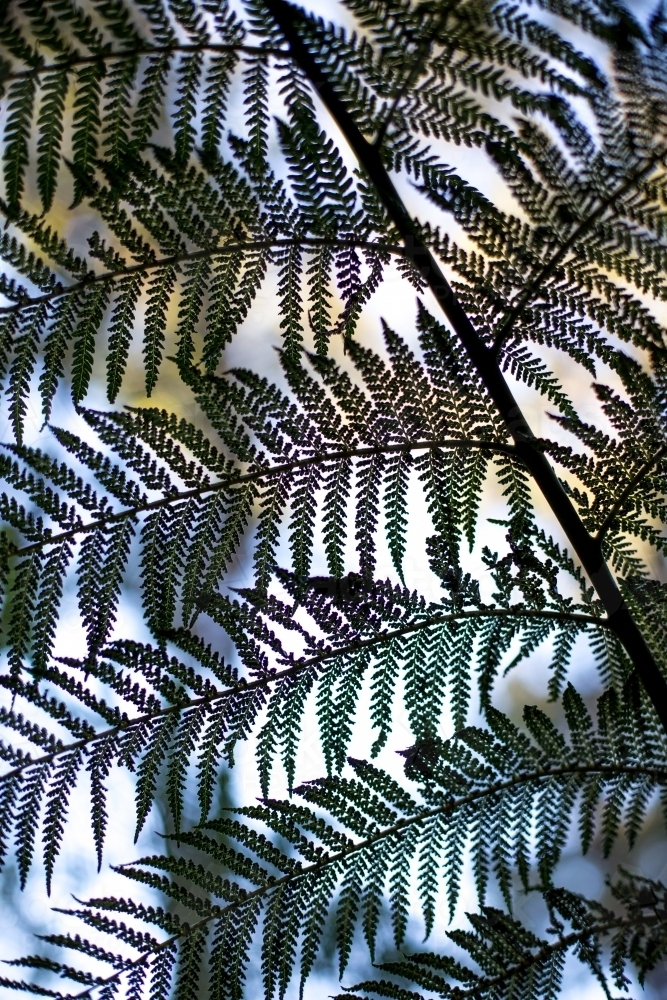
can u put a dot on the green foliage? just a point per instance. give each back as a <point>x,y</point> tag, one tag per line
<point>492,783</point>
<point>513,960</point>
<point>193,144</point>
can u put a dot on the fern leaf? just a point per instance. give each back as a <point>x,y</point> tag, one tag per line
<point>99,764</point>
<point>273,502</point>
<point>218,81</point>
<point>50,126</point>
<point>21,100</point>
<point>128,290</point>
<point>61,784</point>
<point>61,330</point>
<point>185,743</point>
<point>101,566</point>
<point>23,597</point>
<point>48,605</point>
<point>189,81</point>
<point>26,345</point>
<point>237,279</point>
<point>302,520</point>
<point>116,113</point>
<point>27,816</point>
<point>256,101</point>
<point>229,950</point>
<point>87,328</point>
<point>149,103</point>
<point>147,772</point>
<point>160,288</point>
<point>86,123</point>
<point>369,472</point>
<point>194,288</point>
<point>289,280</point>
<point>396,486</point>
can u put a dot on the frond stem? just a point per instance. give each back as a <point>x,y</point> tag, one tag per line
<point>149,265</point>
<point>562,943</point>
<point>255,476</point>
<point>140,50</point>
<point>483,359</point>
<point>298,667</point>
<point>634,482</point>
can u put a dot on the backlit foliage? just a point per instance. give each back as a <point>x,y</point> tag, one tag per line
<point>217,152</point>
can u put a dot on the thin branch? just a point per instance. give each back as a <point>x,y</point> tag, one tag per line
<point>250,477</point>
<point>420,57</point>
<point>562,943</point>
<point>565,616</point>
<point>545,272</point>
<point>300,666</point>
<point>334,859</point>
<point>92,279</point>
<point>483,359</point>
<point>634,482</point>
<point>138,50</point>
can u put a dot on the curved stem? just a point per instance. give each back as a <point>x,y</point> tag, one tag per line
<point>328,861</point>
<point>150,265</point>
<point>267,473</point>
<point>483,359</point>
<point>562,943</point>
<point>645,469</point>
<point>300,666</point>
<point>139,50</point>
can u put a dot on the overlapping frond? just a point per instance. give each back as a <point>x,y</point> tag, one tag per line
<point>192,502</point>
<point>510,959</point>
<point>563,278</point>
<point>188,141</point>
<point>485,790</point>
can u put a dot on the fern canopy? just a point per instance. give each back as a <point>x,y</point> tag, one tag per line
<point>336,553</point>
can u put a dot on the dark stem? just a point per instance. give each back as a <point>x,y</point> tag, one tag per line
<point>634,482</point>
<point>562,943</point>
<point>268,473</point>
<point>297,667</point>
<point>76,59</point>
<point>483,358</point>
<point>175,259</point>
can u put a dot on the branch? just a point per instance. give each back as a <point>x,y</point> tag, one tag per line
<point>562,943</point>
<point>484,361</point>
<point>138,50</point>
<point>92,279</point>
<point>300,666</point>
<point>249,477</point>
<point>545,272</point>
<point>645,469</point>
<point>334,859</point>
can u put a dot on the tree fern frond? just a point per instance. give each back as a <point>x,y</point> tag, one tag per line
<point>50,126</point>
<point>90,320</point>
<point>198,232</point>
<point>86,120</point>
<point>26,344</point>
<point>509,760</point>
<point>21,99</point>
<point>159,291</point>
